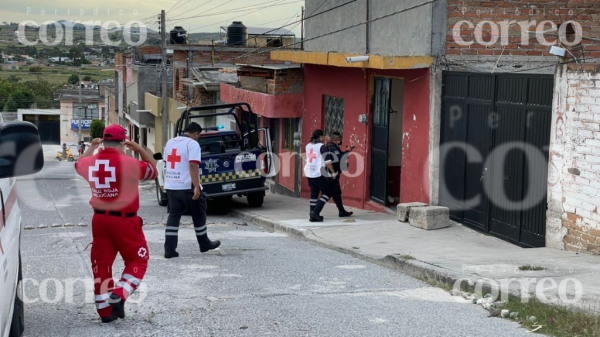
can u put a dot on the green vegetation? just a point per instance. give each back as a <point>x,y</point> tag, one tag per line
<point>55,75</point>
<point>554,320</point>
<point>97,128</point>
<point>22,95</point>
<point>73,79</point>
<point>551,320</point>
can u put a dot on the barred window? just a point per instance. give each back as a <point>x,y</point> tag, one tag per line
<point>290,127</point>
<point>334,115</point>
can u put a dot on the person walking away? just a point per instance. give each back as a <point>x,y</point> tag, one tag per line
<point>114,180</point>
<point>313,170</point>
<point>182,182</point>
<point>333,158</point>
<point>82,147</point>
<point>64,151</point>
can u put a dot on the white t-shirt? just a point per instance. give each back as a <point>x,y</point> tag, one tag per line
<point>314,160</point>
<point>179,153</point>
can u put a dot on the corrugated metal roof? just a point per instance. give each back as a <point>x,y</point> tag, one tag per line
<point>272,66</point>
<point>269,31</point>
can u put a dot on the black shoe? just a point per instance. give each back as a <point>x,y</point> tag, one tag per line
<point>210,246</point>
<point>316,217</point>
<point>169,255</point>
<point>345,214</point>
<point>109,319</point>
<point>118,306</point>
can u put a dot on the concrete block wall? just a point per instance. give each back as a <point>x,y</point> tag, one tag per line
<point>574,179</point>
<point>557,11</point>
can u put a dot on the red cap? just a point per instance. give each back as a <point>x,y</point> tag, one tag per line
<point>115,132</point>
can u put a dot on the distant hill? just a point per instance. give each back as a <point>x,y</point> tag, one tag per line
<point>78,26</point>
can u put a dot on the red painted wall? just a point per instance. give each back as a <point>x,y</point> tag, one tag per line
<point>271,106</point>
<point>415,128</point>
<point>354,86</point>
<point>287,163</point>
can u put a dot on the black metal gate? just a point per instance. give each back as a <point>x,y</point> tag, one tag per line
<point>48,126</point>
<point>379,137</point>
<point>494,153</point>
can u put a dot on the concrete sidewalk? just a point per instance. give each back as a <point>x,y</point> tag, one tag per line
<point>444,255</point>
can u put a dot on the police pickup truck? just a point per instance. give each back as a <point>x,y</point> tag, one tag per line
<point>234,162</point>
<point>20,154</point>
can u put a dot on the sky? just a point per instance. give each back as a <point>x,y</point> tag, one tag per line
<point>195,16</point>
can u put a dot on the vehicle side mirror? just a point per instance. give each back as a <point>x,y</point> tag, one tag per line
<point>158,156</point>
<point>21,151</point>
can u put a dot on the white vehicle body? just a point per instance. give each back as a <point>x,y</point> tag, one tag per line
<point>160,166</point>
<point>10,246</point>
<point>15,138</point>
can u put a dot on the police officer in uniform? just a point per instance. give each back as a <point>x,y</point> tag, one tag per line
<point>114,180</point>
<point>333,158</point>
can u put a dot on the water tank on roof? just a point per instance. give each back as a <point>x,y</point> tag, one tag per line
<point>178,35</point>
<point>237,34</point>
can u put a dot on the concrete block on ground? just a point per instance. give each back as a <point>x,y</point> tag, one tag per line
<point>404,209</point>
<point>429,217</point>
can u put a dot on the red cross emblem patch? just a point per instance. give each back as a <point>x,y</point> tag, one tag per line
<point>102,174</point>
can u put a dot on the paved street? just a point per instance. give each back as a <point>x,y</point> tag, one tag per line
<point>259,283</point>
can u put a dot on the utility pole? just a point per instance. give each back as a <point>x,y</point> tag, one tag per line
<point>80,106</point>
<point>302,30</point>
<point>165,95</point>
<point>212,52</point>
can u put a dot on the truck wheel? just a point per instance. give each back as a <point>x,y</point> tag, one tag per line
<point>161,196</point>
<point>255,200</point>
<point>17,326</point>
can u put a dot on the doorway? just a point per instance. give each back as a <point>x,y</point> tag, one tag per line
<point>48,126</point>
<point>386,140</point>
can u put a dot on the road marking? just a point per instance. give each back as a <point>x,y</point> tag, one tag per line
<point>356,266</point>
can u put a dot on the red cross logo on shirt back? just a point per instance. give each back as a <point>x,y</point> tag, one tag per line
<point>173,159</point>
<point>102,174</point>
<point>312,155</point>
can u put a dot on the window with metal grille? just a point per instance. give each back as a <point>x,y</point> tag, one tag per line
<point>334,115</point>
<point>290,127</point>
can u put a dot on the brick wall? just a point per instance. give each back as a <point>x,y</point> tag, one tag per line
<point>574,180</point>
<point>289,81</point>
<point>258,84</point>
<point>228,56</point>
<point>585,12</point>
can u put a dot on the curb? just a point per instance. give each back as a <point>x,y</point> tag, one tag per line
<point>423,271</point>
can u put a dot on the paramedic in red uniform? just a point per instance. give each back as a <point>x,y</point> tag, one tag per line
<point>116,228</point>
<point>182,182</point>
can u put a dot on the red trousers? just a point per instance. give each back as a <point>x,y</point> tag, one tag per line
<point>112,235</point>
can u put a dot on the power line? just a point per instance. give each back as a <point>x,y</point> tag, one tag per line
<point>206,3</point>
<point>321,5</point>
<point>242,9</point>
<point>339,30</point>
<point>181,6</point>
<point>299,21</point>
<point>221,5</point>
<point>174,6</point>
<point>235,17</point>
